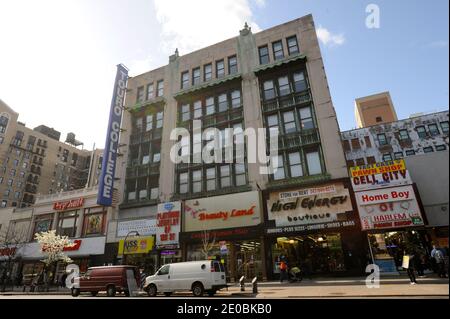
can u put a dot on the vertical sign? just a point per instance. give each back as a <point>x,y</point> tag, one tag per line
<point>168,225</point>
<point>106,185</point>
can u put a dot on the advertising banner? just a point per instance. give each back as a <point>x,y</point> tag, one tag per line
<point>310,206</point>
<point>389,208</point>
<point>379,175</point>
<point>221,212</point>
<point>145,227</point>
<point>168,225</point>
<point>136,245</point>
<point>106,181</point>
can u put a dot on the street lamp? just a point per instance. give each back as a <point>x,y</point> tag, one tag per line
<point>125,242</point>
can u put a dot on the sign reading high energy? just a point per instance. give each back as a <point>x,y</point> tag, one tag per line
<point>378,175</point>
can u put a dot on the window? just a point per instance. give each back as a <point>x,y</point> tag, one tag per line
<point>346,145</point>
<point>264,55</point>
<point>3,123</point>
<point>299,82</point>
<point>278,167</point>
<point>283,86</point>
<point>4,203</point>
<point>138,123</point>
<point>232,65</point>
<point>292,45</point>
<point>441,148</point>
<point>295,164</point>
<point>223,102</point>
<point>269,90</point>
<point>236,99</point>
<point>382,139</point>
<point>184,183</point>
<point>160,88</point>
<point>444,127</point>
<point>67,223</point>
<point>164,270</point>
<point>272,123</point>
<point>211,179</point>
<point>148,122</point>
<point>16,195</point>
<point>371,160</point>
<point>306,119</point>
<point>43,223</point>
<point>93,224</point>
<point>140,94</point>
<point>403,135</point>
<point>156,157</point>
<point>6,193</point>
<point>355,144</point>
<point>159,119</point>
<point>240,174</point>
<point>350,163</point>
<point>421,131</point>
<point>410,152</point>
<point>428,149</point>
<point>433,128</point>
<point>207,72</point>
<point>210,106</point>
<point>387,157</point>
<point>197,181</point>
<point>12,172</point>
<point>184,80</point>
<point>1,139</point>
<point>220,69</point>
<point>225,178</point>
<point>379,119</point>
<point>154,192</point>
<point>185,112</point>
<point>313,161</point>
<point>150,92</point>
<point>367,141</point>
<point>197,109</point>
<point>10,182</point>
<point>289,122</point>
<point>398,155</point>
<point>360,162</point>
<point>278,50</point>
<point>16,163</point>
<point>195,76</point>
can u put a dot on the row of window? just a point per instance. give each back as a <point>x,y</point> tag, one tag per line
<point>210,105</point>
<point>433,130</point>
<point>277,49</point>
<point>208,72</point>
<point>148,92</point>
<point>297,164</point>
<point>149,122</point>
<point>284,85</point>
<point>298,119</point>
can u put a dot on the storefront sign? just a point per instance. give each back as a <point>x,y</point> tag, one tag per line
<point>106,184</point>
<point>228,234</point>
<point>229,211</point>
<point>308,228</point>
<point>378,175</point>
<point>168,224</point>
<point>74,203</point>
<point>308,192</point>
<point>141,245</point>
<point>145,227</point>
<point>323,207</point>
<point>76,246</point>
<point>389,208</point>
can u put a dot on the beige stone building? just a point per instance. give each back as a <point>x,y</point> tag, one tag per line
<point>374,110</point>
<point>35,161</point>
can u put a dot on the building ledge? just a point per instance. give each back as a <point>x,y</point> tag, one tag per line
<point>278,63</point>
<point>208,85</point>
<point>140,105</point>
<point>299,181</point>
<point>136,204</point>
<point>224,191</point>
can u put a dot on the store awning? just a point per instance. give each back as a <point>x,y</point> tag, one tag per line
<point>279,63</point>
<point>208,85</point>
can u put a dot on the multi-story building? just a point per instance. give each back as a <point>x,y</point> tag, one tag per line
<point>274,80</point>
<point>34,161</point>
<point>374,109</point>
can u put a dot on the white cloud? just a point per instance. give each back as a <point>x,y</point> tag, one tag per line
<point>328,38</point>
<point>198,23</point>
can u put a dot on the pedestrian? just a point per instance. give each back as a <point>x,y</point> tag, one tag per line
<point>408,264</point>
<point>439,258</point>
<point>62,282</point>
<point>283,270</point>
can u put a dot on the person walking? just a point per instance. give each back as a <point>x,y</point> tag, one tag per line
<point>408,264</point>
<point>439,258</point>
<point>283,270</point>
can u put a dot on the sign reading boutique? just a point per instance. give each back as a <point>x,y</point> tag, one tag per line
<point>389,208</point>
<point>310,208</point>
<point>220,212</point>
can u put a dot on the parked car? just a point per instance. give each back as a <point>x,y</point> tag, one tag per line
<point>112,279</point>
<point>196,276</point>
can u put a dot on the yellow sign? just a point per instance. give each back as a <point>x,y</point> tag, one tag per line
<point>378,168</point>
<point>136,245</point>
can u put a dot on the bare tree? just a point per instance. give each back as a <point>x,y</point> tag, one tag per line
<point>207,243</point>
<point>11,242</point>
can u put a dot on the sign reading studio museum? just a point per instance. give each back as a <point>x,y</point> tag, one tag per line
<point>316,208</point>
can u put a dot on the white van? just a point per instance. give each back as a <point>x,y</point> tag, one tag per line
<point>196,276</point>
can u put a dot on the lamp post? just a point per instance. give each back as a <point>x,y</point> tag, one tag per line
<point>125,242</point>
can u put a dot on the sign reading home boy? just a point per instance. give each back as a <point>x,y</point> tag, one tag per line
<point>389,208</point>
<point>309,205</point>
<point>168,224</point>
<point>379,175</point>
<point>229,211</point>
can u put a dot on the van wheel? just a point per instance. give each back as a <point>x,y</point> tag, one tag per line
<point>111,291</point>
<point>167,294</point>
<point>75,292</point>
<point>94,293</point>
<point>151,290</point>
<point>197,289</point>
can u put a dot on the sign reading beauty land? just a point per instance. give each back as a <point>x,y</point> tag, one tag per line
<point>379,175</point>
<point>106,184</point>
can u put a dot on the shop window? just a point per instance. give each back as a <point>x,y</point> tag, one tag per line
<point>263,55</point>
<point>94,224</point>
<point>313,161</point>
<point>67,223</point>
<point>434,130</point>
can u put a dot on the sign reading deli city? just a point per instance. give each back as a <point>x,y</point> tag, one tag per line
<point>70,204</point>
<point>378,175</point>
<point>389,208</point>
<point>168,225</point>
<point>310,208</point>
<point>221,212</point>
<point>106,184</point>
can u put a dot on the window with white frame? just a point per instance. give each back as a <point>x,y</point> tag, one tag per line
<point>313,162</point>
<point>210,106</point>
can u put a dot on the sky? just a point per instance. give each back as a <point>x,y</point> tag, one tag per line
<point>58,58</point>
